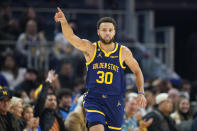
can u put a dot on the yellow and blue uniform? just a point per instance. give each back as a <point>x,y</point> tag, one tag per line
<point>106,85</point>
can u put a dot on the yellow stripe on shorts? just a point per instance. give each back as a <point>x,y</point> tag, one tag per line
<point>95,111</point>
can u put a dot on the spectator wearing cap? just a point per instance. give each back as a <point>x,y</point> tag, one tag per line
<point>161,115</point>
<point>46,107</point>
<point>8,121</point>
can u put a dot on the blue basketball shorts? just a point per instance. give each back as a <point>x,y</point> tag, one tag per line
<point>104,109</point>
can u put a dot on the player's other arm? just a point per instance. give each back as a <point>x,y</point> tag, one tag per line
<point>134,67</point>
<point>81,44</point>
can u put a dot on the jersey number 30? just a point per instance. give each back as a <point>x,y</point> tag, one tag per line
<point>104,77</point>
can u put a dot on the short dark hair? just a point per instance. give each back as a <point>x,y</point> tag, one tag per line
<point>63,92</point>
<point>106,20</point>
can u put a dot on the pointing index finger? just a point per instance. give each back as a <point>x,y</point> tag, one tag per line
<point>59,9</point>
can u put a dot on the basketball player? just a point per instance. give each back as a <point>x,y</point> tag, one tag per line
<point>105,74</point>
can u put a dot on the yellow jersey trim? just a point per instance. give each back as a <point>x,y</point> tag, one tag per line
<point>87,63</point>
<point>109,53</point>
<point>114,128</point>
<point>120,57</point>
<point>96,111</point>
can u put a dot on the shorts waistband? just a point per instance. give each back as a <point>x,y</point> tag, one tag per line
<point>90,93</point>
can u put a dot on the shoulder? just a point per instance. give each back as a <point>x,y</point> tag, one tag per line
<point>152,114</point>
<point>21,36</point>
<point>125,50</point>
<point>92,45</point>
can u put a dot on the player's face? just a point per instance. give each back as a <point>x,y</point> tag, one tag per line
<point>106,32</point>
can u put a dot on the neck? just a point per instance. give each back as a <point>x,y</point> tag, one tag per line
<point>129,115</point>
<point>108,47</point>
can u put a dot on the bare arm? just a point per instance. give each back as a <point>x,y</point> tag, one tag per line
<point>133,65</point>
<point>81,44</point>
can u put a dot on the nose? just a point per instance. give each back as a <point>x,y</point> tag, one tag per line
<point>107,32</point>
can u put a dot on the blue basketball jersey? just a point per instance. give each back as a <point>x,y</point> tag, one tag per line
<point>105,72</point>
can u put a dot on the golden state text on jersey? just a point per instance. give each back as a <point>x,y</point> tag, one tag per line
<point>105,72</point>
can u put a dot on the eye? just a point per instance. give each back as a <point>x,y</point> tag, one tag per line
<point>104,30</point>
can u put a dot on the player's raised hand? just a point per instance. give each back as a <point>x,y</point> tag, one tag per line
<point>59,16</point>
<point>141,100</point>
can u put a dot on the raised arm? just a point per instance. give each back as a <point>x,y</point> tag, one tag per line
<point>81,44</point>
<point>133,65</point>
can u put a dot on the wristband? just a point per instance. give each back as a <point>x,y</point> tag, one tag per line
<point>141,93</point>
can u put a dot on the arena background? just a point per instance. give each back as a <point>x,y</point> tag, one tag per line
<point>163,31</point>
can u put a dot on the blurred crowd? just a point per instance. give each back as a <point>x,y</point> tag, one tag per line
<point>35,99</point>
<point>55,102</point>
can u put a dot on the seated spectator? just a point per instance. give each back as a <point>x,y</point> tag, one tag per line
<point>8,121</point>
<point>16,108</point>
<point>31,44</point>
<point>130,121</point>
<point>161,115</point>
<point>76,120</point>
<point>46,107</point>
<point>28,117</point>
<point>183,111</point>
<point>12,73</point>
<point>182,115</point>
<point>64,97</point>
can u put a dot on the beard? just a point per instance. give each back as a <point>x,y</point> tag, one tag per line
<point>106,42</point>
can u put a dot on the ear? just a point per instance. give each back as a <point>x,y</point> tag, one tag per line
<point>97,31</point>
